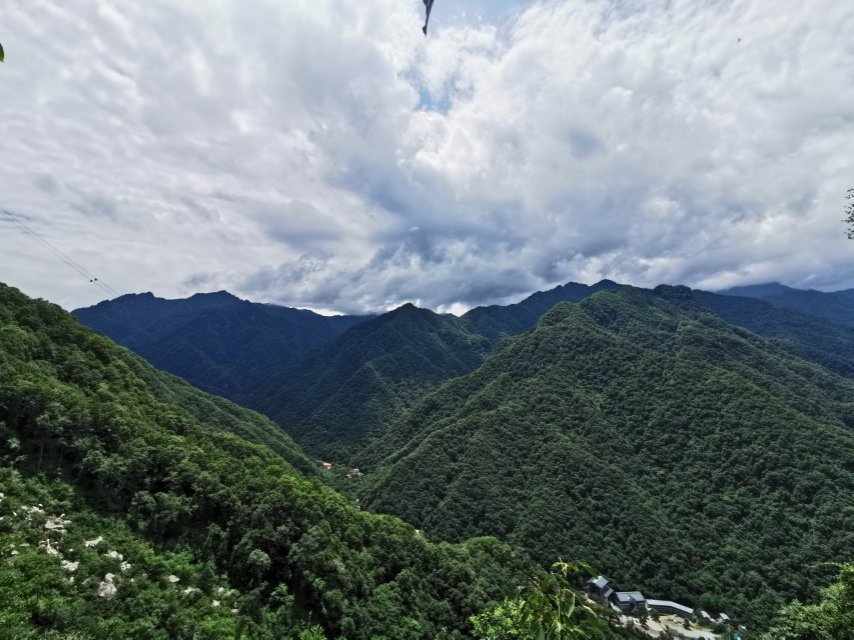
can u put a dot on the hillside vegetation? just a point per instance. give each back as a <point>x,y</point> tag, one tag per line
<point>154,468</point>
<point>371,375</point>
<point>216,341</point>
<point>337,384</point>
<point>694,460</point>
<point>835,306</point>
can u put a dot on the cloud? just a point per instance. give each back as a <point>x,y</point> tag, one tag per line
<point>324,154</point>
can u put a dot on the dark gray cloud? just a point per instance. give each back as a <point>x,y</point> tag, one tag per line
<point>324,154</point>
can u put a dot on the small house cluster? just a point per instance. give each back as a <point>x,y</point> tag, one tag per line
<point>634,603</point>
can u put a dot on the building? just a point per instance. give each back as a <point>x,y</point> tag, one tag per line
<point>600,588</point>
<point>630,602</point>
<point>668,607</point>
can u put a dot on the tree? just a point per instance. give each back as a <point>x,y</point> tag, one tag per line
<point>546,609</point>
<point>849,213</point>
<point>831,618</point>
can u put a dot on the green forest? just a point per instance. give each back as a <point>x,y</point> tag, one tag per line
<point>95,436</point>
<point>632,431</point>
<point>693,459</point>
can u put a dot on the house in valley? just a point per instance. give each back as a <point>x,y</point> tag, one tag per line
<point>668,607</point>
<point>600,588</point>
<point>630,602</point>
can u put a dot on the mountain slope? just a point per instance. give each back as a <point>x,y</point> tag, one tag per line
<point>75,409</point>
<point>351,389</point>
<point>695,460</point>
<point>497,321</point>
<point>834,306</point>
<point>828,344</point>
<point>216,341</point>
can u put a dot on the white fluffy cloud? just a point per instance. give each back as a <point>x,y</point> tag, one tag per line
<point>322,153</point>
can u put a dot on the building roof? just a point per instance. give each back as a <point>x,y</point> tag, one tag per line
<point>669,604</point>
<point>629,596</point>
<point>600,582</point>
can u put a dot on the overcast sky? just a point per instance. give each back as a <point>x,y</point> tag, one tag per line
<point>324,154</point>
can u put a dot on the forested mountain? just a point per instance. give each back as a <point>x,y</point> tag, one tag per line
<point>496,321</point>
<point>835,306</point>
<point>96,443</point>
<point>695,459</point>
<point>815,339</point>
<point>369,376</point>
<point>216,341</point>
<point>336,383</point>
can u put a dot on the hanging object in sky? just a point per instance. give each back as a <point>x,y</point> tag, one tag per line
<point>2,55</point>
<point>428,5</point>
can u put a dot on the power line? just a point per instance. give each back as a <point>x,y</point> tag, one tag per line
<point>68,260</point>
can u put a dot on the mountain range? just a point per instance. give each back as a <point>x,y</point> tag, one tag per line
<point>699,445</point>
<point>336,381</point>
<point>836,306</point>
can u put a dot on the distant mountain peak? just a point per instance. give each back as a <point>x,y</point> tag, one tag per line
<point>605,283</point>
<point>223,295</point>
<point>760,290</point>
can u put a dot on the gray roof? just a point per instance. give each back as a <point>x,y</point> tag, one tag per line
<point>669,604</point>
<point>600,582</point>
<point>630,596</point>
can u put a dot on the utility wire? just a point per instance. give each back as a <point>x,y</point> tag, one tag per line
<point>69,261</point>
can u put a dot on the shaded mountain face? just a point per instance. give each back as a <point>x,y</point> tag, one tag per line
<point>152,465</point>
<point>498,321</point>
<point>818,340</point>
<point>692,458</point>
<point>835,306</point>
<point>337,383</point>
<point>215,341</point>
<point>348,391</point>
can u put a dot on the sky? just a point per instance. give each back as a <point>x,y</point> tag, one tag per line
<point>325,154</point>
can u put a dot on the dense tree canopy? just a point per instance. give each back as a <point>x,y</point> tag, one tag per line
<point>166,465</point>
<point>686,457</point>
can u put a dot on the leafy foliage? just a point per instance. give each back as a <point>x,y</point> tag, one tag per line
<point>849,212</point>
<point>66,572</point>
<point>550,607</point>
<point>831,618</point>
<point>164,462</point>
<point>693,460</point>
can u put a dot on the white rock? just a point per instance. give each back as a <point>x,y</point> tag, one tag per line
<point>48,548</point>
<point>173,579</point>
<point>93,543</point>
<point>57,523</point>
<point>115,555</point>
<point>107,589</point>
<point>190,590</point>
<point>69,566</point>
<point>125,566</point>
<point>215,603</point>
